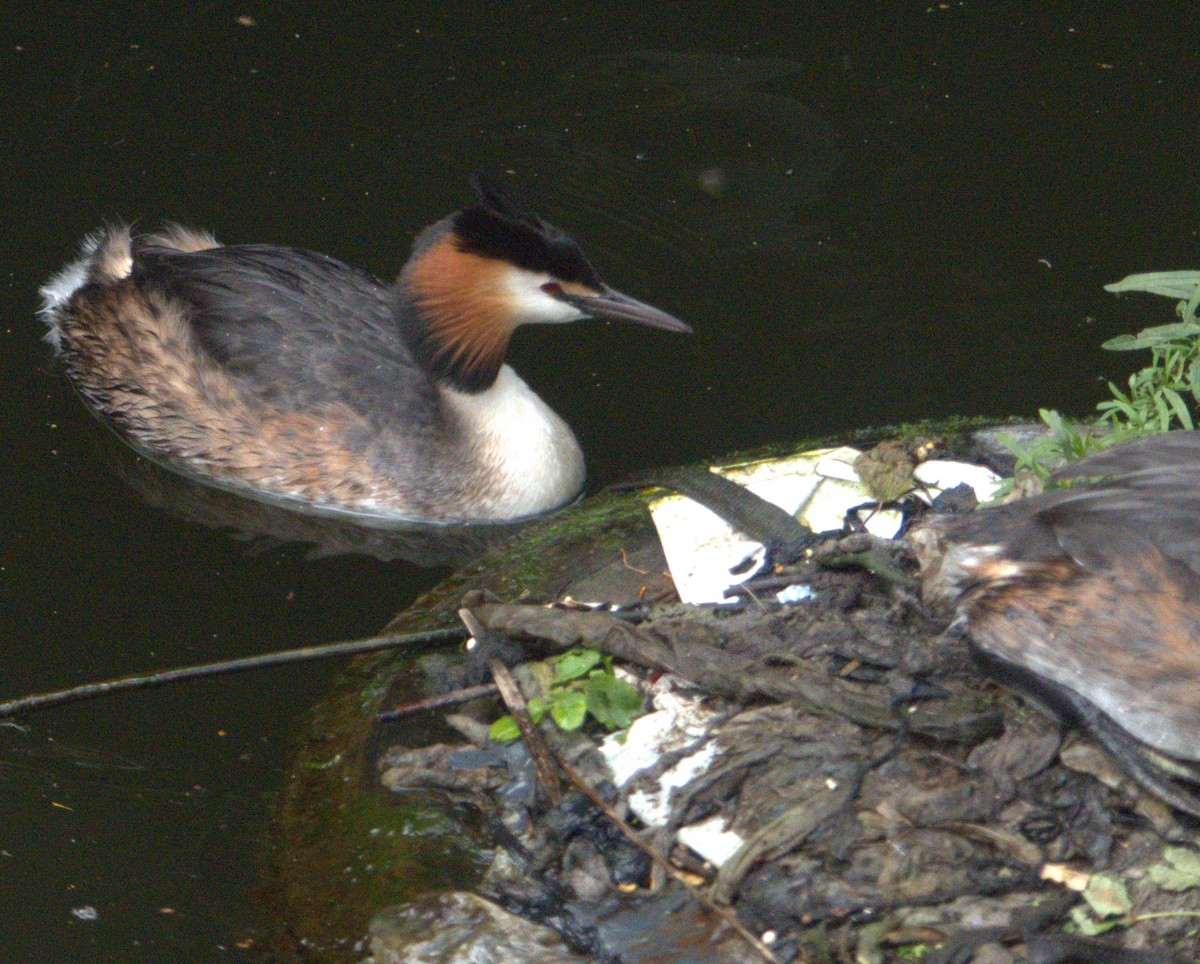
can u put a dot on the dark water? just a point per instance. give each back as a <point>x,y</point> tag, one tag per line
<point>869,212</point>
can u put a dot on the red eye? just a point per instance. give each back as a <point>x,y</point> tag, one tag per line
<point>552,288</point>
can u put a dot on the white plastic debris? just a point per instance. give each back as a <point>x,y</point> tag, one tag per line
<point>942,474</point>
<point>794,594</point>
<point>675,722</point>
<point>678,720</point>
<point>818,487</point>
<point>711,840</point>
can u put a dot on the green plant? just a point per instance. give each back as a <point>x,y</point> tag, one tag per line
<point>1066,442</point>
<point>1108,906</point>
<point>584,684</point>
<point>1160,396</point>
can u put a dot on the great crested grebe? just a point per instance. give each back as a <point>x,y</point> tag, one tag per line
<point>289,375</point>
<point>1090,595</point>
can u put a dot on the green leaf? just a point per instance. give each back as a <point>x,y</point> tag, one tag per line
<point>1085,923</point>
<point>1164,416</point>
<point>1170,284</point>
<point>1180,869</point>
<point>1193,377</point>
<point>1117,393</point>
<point>1107,895</point>
<point>1178,335</point>
<point>1053,420</point>
<point>1122,343</point>
<point>1189,310</point>
<point>612,701</point>
<point>537,708</point>
<point>569,710</point>
<point>1178,407</point>
<point>504,730</point>
<point>1115,406</point>
<point>575,663</point>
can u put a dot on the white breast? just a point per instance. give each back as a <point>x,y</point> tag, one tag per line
<point>528,454</point>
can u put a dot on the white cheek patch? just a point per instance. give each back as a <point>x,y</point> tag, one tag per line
<point>533,305</point>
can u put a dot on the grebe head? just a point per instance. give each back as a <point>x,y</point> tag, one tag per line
<point>478,274</point>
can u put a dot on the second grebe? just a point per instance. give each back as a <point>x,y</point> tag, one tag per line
<point>292,376</point>
<point>1090,596</point>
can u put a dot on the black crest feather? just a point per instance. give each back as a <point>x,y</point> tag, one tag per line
<point>504,227</point>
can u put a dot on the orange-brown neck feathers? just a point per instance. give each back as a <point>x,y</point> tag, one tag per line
<point>464,312</point>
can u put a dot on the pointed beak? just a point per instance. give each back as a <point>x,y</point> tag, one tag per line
<point>610,303</point>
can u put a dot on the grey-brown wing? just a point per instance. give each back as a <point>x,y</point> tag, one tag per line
<point>294,328</point>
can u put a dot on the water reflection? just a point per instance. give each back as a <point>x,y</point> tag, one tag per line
<point>264,525</point>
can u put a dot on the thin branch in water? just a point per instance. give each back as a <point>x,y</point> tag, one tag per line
<point>43,701</point>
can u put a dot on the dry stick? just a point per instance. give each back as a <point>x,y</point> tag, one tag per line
<point>535,743</point>
<point>727,915</point>
<point>514,701</point>
<point>441,701</point>
<point>87,691</point>
<point>544,756</point>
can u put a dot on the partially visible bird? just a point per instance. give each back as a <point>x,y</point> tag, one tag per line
<point>1090,595</point>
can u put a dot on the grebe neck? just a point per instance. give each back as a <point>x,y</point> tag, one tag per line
<point>454,311</point>
<point>526,456</point>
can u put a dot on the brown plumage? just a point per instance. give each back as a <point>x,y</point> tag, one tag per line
<point>453,288</point>
<point>1092,593</point>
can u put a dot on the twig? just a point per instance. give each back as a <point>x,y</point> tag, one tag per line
<point>538,746</point>
<point>514,701</point>
<point>440,701</point>
<point>535,743</point>
<point>727,915</point>
<point>874,562</point>
<point>88,690</point>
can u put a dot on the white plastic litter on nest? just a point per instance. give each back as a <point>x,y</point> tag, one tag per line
<point>711,840</point>
<point>817,487</point>
<point>938,475</point>
<point>676,722</point>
